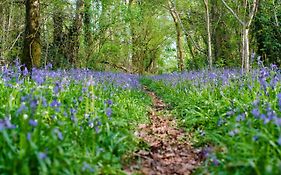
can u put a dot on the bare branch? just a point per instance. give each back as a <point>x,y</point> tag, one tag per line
<point>253,11</point>
<point>234,14</point>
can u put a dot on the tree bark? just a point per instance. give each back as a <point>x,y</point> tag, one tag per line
<point>75,33</point>
<point>206,2</point>
<point>58,37</point>
<point>134,40</point>
<point>32,46</point>
<point>88,35</point>
<point>179,41</point>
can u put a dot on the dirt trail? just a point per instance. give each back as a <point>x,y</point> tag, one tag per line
<point>170,151</point>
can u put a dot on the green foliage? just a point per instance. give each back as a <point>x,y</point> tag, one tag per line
<point>267,31</point>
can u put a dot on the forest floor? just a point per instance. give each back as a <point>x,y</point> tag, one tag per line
<point>169,148</point>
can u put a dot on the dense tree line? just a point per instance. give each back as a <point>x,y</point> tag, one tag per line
<point>140,36</point>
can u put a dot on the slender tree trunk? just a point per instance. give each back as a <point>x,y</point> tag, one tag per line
<point>2,24</point>
<point>246,23</point>
<point>58,37</point>
<point>246,50</point>
<point>134,40</point>
<point>75,34</point>
<point>88,35</point>
<point>179,41</point>
<point>32,47</point>
<point>87,23</point>
<point>206,2</point>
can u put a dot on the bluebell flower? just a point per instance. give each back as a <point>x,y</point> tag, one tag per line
<point>25,72</point>
<point>108,112</point>
<point>87,167</point>
<point>59,133</point>
<point>8,123</point>
<point>233,132</point>
<point>240,117</point>
<point>256,112</point>
<point>28,136</point>
<point>34,104</point>
<point>42,155</point>
<point>109,102</point>
<point>215,161</point>
<point>255,138</point>
<point>33,123</point>
<point>44,101</point>
<point>97,129</point>
<point>21,109</point>
<point>38,79</point>
<point>56,88</point>
<point>55,103</point>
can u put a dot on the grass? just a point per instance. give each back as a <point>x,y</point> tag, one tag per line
<point>237,117</point>
<point>74,122</point>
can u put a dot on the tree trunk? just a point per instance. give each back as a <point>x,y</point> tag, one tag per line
<point>134,40</point>
<point>88,35</point>
<point>179,41</point>
<point>58,37</point>
<point>206,2</point>
<point>246,50</point>
<point>87,23</point>
<point>75,33</point>
<point>32,47</point>
<point>246,23</point>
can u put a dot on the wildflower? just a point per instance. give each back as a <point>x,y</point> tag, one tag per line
<point>34,104</point>
<point>28,136</point>
<point>109,102</point>
<point>25,72</point>
<point>87,167</point>
<point>220,122</point>
<point>38,79</point>
<point>255,138</point>
<point>59,133</point>
<point>8,124</point>
<point>256,112</point>
<point>91,124</point>
<point>230,113</point>
<point>97,129</point>
<point>215,161</point>
<point>57,88</point>
<point>234,132</point>
<point>49,66</point>
<point>108,112</point>
<point>33,123</point>
<point>42,155</point>
<point>240,117</point>
<point>21,109</point>
<point>55,104</point>
<point>44,102</point>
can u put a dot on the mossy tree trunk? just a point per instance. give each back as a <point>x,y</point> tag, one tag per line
<point>32,46</point>
<point>74,34</point>
<point>179,40</point>
<point>88,33</point>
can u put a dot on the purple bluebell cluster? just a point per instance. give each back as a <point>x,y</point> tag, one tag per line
<point>200,78</point>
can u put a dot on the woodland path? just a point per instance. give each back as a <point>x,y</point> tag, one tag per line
<point>170,151</point>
